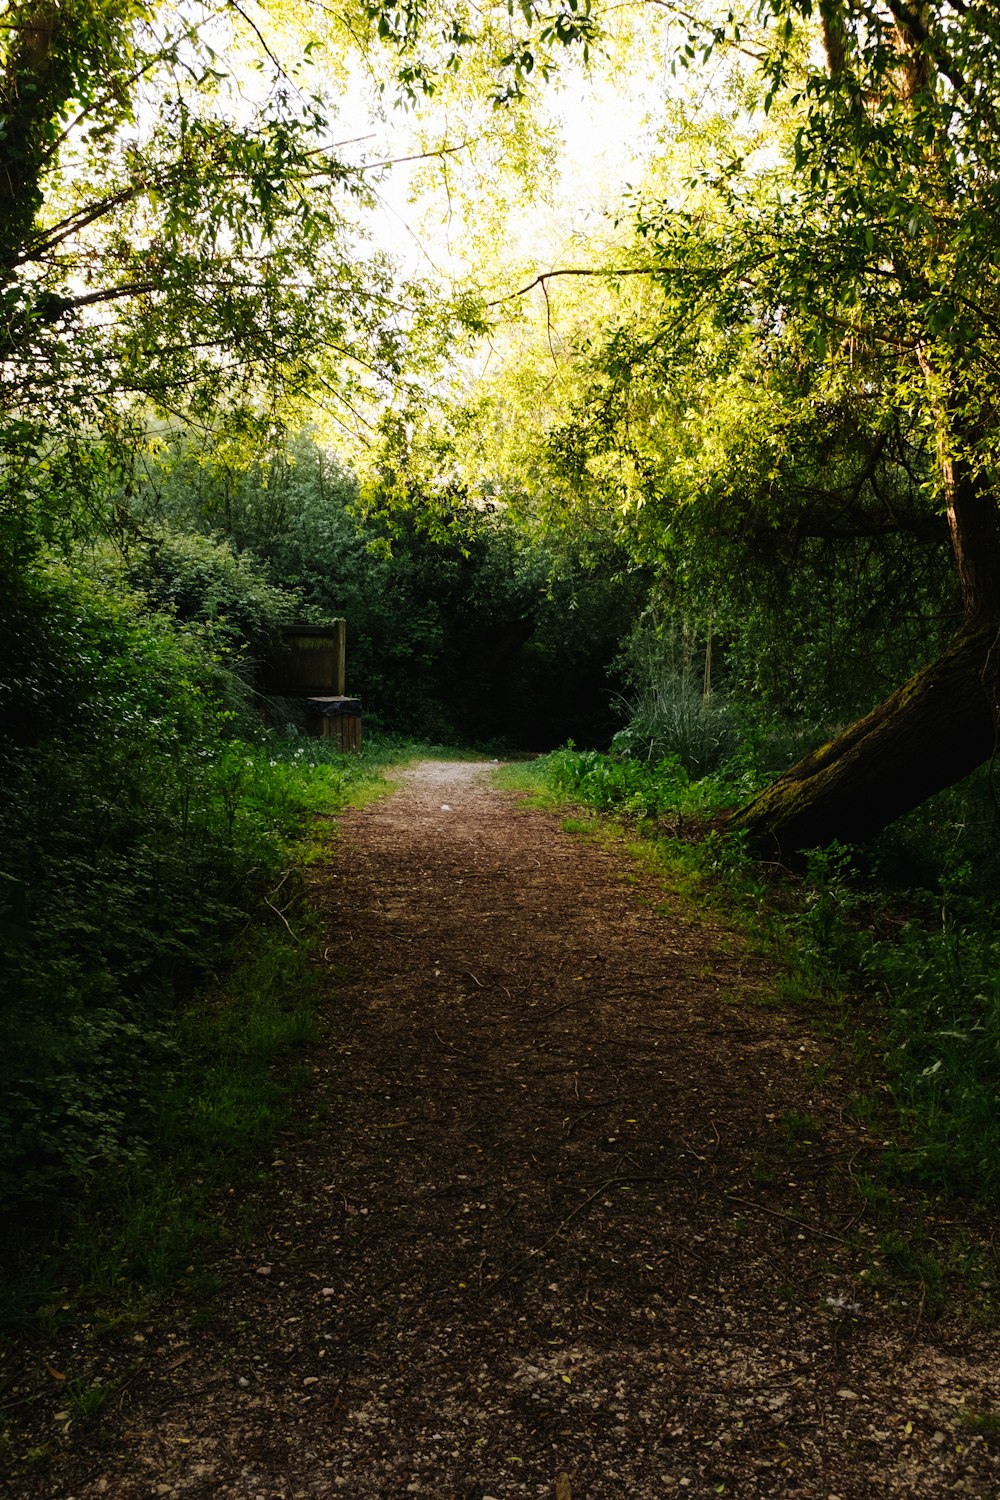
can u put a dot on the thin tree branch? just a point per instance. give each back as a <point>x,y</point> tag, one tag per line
<point>279,67</point>
<point>399,161</point>
<point>660,270</point>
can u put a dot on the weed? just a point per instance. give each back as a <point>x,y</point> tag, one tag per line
<point>799,1129</point>
<point>874,1195</point>
<point>828,938</point>
<point>985,1423</point>
<point>85,1399</point>
<point>865,1108</point>
<point>905,1260</point>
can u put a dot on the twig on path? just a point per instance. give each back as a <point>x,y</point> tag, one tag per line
<point>572,1124</point>
<point>920,1313</point>
<point>450,1045</point>
<point>121,1386</point>
<point>579,1209</point>
<point>348,937</point>
<point>777,1214</point>
<point>577,1000</point>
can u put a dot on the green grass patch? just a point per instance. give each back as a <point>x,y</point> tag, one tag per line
<point>531,777</point>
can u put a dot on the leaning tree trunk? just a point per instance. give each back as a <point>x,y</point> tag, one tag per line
<point>929,734</point>
<point>933,730</point>
<point>944,722</point>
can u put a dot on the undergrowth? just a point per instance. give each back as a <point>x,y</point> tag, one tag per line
<point>155,982</point>
<point>193,1094</point>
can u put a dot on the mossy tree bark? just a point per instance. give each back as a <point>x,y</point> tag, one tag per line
<point>944,722</point>
<point>929,734</point>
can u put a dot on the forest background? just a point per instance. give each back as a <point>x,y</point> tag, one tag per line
<point>696,470</point>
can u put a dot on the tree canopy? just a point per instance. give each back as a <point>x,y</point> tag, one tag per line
<point>699,467</point>
<point>774,368</point>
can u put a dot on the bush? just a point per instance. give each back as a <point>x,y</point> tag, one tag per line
<point>201,581</point>
<point>135,832</point>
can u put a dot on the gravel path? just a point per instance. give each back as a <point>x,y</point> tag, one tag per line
<point>573,1218</point>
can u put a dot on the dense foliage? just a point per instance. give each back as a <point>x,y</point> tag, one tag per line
<point>737,484</point>
<point>138,830</point>
<point>460,623</point>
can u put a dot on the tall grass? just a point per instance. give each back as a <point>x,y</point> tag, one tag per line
<point>671,710</point>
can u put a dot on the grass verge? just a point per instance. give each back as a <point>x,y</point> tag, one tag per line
<point>903,973</point>
<point>233,1062</point>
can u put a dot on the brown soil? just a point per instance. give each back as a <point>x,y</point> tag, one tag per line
<point>572,1222</point>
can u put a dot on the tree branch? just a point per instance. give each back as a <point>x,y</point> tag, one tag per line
<point>660,270</point>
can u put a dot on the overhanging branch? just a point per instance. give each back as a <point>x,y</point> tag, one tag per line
<point>612,271</point>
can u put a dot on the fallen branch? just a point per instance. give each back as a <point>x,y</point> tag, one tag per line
<point>777,1214</point>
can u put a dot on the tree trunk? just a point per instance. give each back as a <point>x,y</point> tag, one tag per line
<point>33,90</point>
<point>944,722</point>
<point>929,734</point>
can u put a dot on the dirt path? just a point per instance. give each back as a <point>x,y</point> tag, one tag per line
<point>568,1224</point>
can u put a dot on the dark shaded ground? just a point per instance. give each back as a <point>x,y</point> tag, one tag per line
<point>572,1222</point>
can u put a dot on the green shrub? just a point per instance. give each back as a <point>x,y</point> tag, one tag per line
<point>134,833</point>
<point>942,1048</point>
<point>830,939</point>
<point>641,789</point>
<point>198,579</point>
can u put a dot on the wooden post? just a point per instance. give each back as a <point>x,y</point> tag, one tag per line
<point>341,649</point>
